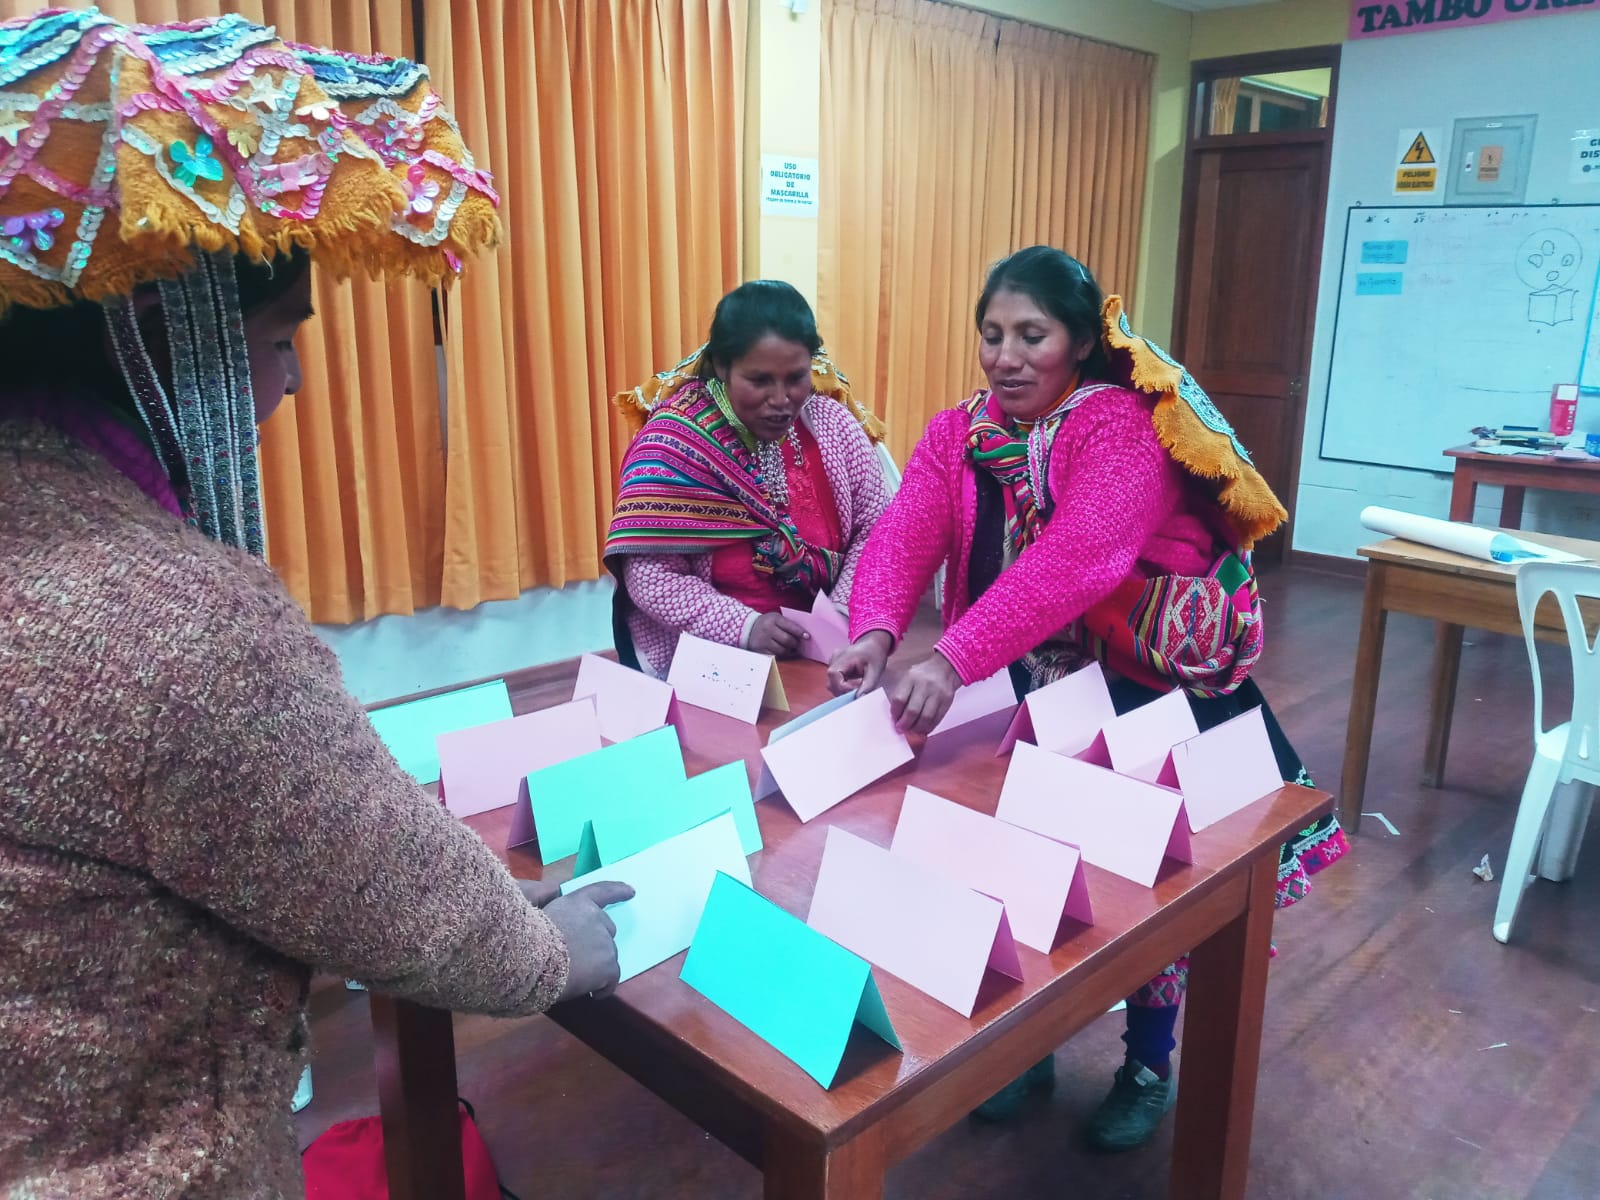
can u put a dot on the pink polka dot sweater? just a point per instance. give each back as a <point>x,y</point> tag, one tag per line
<point>1121,508</point>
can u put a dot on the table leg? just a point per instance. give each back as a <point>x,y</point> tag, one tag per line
<point>1441,702</point>
<point>803,1170</point>
<point>416,1059</point>
<point>1222,1048</point>
<point>1511,507</point>
<point>1463,492</point>
<point>1363,698</point>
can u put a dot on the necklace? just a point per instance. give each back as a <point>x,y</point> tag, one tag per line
<point>774,473</point>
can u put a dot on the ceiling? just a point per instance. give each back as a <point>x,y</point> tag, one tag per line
<point>1212,5</point>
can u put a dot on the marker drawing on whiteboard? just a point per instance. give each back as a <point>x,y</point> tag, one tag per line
<point>1548,262</point>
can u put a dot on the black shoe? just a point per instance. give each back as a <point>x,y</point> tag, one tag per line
<point>1132,1109</point>
<point>1007,1102</point>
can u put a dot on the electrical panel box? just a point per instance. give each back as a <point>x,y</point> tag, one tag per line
<point>1489,159</point>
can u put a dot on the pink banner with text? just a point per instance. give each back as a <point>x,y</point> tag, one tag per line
<point>1422,16</point>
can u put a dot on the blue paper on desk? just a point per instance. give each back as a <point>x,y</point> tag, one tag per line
<point>629,822</point>
<point>567,795</point>
<point>671,881</point>
<point>785,982</point>
<point>410,729</point>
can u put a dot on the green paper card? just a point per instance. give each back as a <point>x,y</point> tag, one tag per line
<point>782,980</point>
<point>410,729</point>
<point>628,775</point>
<point>634,821</point>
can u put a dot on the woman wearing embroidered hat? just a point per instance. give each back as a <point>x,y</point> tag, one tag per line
<point>751,486</point>
<point>1090,504</point>
<point>195,813</point>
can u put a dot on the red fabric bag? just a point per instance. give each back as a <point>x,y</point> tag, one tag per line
<point>346,1162</point>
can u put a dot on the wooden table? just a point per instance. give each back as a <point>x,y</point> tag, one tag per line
<point>1456,591</point>
<point>813,1143</point>
<point>1516,473</point>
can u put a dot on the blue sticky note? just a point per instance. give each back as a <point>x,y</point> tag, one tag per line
<point>410,730</point>
<point>632,821</point>
<point>567,795</point>
<point>1378,283</point>
<point>782,980</point>
<point>1385,252</point>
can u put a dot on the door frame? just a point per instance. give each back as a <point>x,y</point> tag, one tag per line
<point>1201,73</point>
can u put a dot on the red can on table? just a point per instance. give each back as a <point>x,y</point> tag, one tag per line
<point>1563,408</point>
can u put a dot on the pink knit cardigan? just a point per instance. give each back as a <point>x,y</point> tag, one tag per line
<point>1121,508</point>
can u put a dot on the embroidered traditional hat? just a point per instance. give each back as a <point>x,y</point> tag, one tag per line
<point>160,153</point>
<point>124,150</point>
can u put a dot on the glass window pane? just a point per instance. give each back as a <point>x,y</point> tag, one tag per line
<point>1266,103</point>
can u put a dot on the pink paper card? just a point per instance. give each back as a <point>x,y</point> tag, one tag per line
<point>1121,824</point>
<point>833,758</point>
<point>1139,739</point>
<point>765,784</point>
<point>1035,877</point>
<point>488,766</point>
<point>980,714</point>
<point>1066,716</point>
<point>725,679</point>
<point>937,935</point>
<point>629,702</point>
<point>1223,770</point>
<point>827,626</point>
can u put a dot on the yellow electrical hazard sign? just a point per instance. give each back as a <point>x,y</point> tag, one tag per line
<point>1419,152</point>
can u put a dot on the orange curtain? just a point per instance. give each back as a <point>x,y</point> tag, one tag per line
<point>956,138</point>
<point>352,467</point>
<point>614,128</point>
<point>1224,104</point>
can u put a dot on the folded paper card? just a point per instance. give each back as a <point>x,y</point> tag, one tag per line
<point>979,716</point>
<point>725,679</point>
<point>631,823</point>
<point>671,881</point>
<point>1037,878</point>
<point>827,626</point>
<point>1066,716</point>
<point>1139,739</point>
<point>766,785</point>
<point>782,980</point>
<point>935,933</point>
<point>563,797</point>
<point>1121,824</point>
<point>488,766</point>
<point>834,757</point>
<point>1224,769</point>
<point>410,730</point>
<point>629,702</point>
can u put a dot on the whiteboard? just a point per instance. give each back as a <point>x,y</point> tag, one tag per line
<point>1449,318</point>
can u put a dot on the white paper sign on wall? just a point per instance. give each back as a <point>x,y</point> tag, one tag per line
<point>1586,156</point>
<point>788,186</point>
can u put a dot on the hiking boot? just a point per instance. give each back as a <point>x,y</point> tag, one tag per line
<point>1007,1102</point>
<point>1132,1109</point>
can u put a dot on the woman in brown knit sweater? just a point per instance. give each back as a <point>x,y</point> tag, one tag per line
<point>194,813</point>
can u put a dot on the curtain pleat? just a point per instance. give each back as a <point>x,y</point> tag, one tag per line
<point>956,138</point>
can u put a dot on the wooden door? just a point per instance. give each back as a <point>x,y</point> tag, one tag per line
<point>1253,286</point>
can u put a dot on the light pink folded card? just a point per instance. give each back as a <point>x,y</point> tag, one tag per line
<point>725,679</point>
<point>488,766</point>
<point>935,934</point>
<point>833,758</point>
<point>1037,878</point>
<point>629,702</point>
<point>1121,824</point>
<point>1224,769</point>
<point>828,627</point>
<point>1139,739</point>
<point>1066,716</point>
<point>980,714</point>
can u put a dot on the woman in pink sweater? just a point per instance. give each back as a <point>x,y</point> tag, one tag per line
<point>1091,504</point>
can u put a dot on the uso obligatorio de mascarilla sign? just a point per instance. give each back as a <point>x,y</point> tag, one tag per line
<point>1419,16</point>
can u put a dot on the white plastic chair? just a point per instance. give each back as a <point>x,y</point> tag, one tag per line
<point>1569,753</point>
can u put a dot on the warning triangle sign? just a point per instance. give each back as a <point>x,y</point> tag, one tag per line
<point>1419,152</point>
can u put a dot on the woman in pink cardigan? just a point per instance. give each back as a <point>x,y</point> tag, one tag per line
<point>1091,504</point>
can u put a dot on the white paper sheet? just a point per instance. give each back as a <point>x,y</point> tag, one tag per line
<point>1459,538</point>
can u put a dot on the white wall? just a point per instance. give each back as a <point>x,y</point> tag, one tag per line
<point>1545,66</point>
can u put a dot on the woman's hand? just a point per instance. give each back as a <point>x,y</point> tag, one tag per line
<point>858,666</point>
<point>591,938</point>
<point>773,633</point>
<point>920,698</point>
